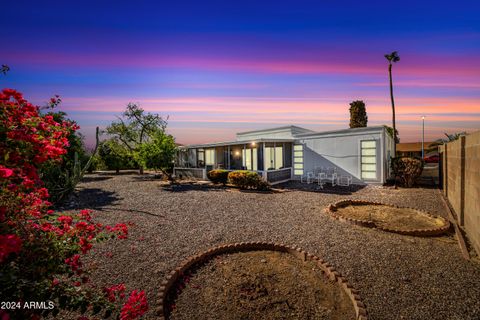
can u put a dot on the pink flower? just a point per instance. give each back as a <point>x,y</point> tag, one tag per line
<point>9,243</point>
<point>5,172</point>
<point>135,306</point>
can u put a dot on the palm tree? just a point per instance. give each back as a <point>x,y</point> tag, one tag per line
<point>393,57</point>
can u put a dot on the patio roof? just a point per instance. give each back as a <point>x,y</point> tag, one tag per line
<point>235,142</point>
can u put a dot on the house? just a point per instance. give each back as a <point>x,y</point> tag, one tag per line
<point>414,149</point>
<point>286,153</point>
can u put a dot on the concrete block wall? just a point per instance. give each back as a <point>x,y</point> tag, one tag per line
<point>461,183</point>
<point>472,188</point>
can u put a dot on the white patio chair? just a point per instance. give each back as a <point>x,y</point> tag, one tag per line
<point>345,181</point>
<point>310,177</point>
<point>331,175</point>
<point>321,177</point>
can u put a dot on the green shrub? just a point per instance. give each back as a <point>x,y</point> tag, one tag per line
<point>218,176</point>
<point>407,169</point>
<point>248,180</point>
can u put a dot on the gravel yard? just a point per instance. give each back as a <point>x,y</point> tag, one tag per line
<point>399,277</point>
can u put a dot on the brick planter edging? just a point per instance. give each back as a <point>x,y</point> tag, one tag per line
<point>334,276</point>
<point>332,211</point>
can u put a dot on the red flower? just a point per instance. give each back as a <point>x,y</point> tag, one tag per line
<point>135,306</point>
<point>5,172</point>
<point>65,220</point>
<point>118,289</point>
<point>9,243</point>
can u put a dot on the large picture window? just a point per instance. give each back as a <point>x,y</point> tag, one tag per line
<point>368,151</point>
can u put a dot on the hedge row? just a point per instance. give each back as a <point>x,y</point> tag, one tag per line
<point>243,179</point>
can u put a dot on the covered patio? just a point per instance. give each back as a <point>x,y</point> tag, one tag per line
<point>271,158</point>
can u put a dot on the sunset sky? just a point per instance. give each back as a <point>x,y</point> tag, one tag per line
<point>216,68</point>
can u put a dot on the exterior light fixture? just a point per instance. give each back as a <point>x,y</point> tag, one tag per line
<point>253,143</point>
<point>237,153</point>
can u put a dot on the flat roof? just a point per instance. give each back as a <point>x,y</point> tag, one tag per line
<point>412,146</point>
<point>340,132</point>
<point>235,142</point>
<point>276,129</point>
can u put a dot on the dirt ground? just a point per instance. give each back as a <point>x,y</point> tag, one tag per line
<point>261,285</point>
<point>398,276</point>
<point>391,217</point>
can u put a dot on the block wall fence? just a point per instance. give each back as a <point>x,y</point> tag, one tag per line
<point>461,182</point>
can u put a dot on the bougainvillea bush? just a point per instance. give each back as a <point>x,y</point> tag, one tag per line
<point>41,251</point>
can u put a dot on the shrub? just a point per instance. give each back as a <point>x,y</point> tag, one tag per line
<point>407,169</point>
<point>218,176</point>
<point>248,180</point>
<point>41,250</point>
<point>115,156</point>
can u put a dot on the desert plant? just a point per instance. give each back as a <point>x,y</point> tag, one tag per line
<point>358,114</point>
<point>218,176</point>
<point>392,58</point>
<point>245,179</point>
<point>407,169</point>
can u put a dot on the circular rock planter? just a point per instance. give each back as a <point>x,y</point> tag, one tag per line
<point>261,280</point>
<point>390,218</point>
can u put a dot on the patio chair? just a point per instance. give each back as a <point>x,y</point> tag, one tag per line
<point>331,175</point>
<point>310,177</point>
<point>345,181</point>
<point>321,176</point>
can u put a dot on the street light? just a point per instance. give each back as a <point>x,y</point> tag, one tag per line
<point>423,137</point>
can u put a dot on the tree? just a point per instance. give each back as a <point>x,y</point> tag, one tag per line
<point>159,153</point>
<point>358,114</point>
<point>392,58</point>
<point>115,155</point>
<point>4,69</point>
<point>136,127</point>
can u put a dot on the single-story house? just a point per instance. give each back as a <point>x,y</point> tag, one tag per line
<point>286,153</point>
<point>414,149</point>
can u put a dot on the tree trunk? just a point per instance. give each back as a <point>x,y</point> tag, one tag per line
<point>117,171</point>
<point>140,170</point>
<point>393,112</point>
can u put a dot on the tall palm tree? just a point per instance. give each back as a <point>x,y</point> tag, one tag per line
<point>392,58</point>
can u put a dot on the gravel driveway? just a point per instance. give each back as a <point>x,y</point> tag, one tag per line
<point>399,277</point>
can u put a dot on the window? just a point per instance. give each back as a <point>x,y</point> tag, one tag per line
<point>368,151</point>
<point>273,158</point>
<point>210,157</point>
<point>298,159</point>
<point>249,159</point>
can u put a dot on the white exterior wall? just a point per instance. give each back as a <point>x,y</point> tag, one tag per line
<point>280,133</point>
<point>343,152</point>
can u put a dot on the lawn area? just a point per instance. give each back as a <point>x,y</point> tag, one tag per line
<point>399,277</point>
